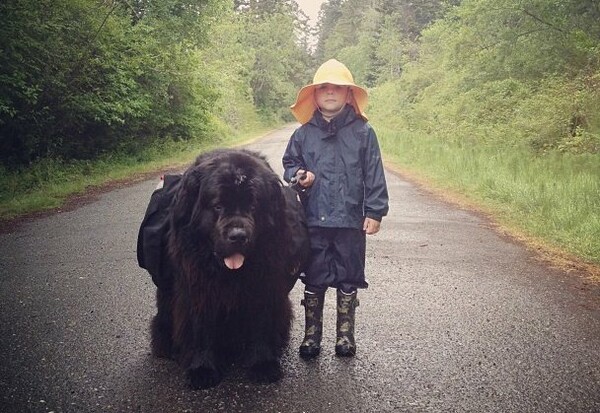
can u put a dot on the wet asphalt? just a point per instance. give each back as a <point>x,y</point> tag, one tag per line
<point>457,318</point>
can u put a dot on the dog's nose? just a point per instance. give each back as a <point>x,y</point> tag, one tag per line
<point>237,235</point>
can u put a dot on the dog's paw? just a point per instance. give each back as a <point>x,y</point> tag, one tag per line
<point>266,371</point>
<point>204,378</point>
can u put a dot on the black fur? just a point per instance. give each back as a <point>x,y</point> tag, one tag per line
<point>230,203</point>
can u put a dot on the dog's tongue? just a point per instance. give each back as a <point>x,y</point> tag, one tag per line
<point>234,262</point>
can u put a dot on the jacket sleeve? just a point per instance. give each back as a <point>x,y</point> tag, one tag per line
<point>292,157</point>
<point>376,193</point>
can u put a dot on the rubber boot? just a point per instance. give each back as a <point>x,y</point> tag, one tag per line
<point>345,345</point>
<point>313,329</point>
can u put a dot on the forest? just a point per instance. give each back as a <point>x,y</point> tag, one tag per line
<point>494,99</point>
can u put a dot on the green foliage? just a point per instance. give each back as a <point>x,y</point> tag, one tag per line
<point>375,40</point>
<point>552,197</point>
<point>511,71</point>
<point>80,78</point>
<point>522,39</point>
<point>280,61</point>
<point>477,83</point>
<point>186,23</point>
<point>87,85</point>
<point>226,65</point>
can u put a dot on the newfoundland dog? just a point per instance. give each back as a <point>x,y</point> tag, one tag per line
<point>234,244</point>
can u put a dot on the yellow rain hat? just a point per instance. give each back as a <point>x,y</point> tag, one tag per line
<point>335,73</point>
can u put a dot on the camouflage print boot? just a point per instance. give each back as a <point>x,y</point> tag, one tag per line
<point>313,308</point>
<point>346,306</point>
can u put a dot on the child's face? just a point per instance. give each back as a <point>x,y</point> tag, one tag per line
<point>331,98</point>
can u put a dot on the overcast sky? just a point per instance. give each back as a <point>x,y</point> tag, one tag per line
<point>311,8</point>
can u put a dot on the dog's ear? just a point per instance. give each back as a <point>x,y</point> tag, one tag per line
<point>187,199</point>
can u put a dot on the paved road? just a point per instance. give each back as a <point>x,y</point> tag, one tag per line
<point>457,319</point>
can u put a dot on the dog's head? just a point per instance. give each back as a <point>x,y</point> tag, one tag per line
<point>228,201</point>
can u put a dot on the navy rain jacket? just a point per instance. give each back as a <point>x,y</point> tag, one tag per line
<point>349,179</point>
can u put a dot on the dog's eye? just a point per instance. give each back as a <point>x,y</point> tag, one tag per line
<point>218,208</point>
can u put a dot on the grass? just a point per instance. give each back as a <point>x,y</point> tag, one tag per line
<point>48,184</point>
<point>552,198</point>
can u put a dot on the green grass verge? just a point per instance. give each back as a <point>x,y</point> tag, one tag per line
<point>554,197</point>
<point>49,183</point>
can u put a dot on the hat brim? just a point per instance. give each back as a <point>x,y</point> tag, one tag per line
<point>305,105</point>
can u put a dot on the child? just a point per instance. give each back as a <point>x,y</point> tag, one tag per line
<point>335,157</point>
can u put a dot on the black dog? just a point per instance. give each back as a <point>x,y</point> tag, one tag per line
<point>235,243</point>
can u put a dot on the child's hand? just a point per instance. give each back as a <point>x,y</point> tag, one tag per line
<point>307,180</point>
<point>371,226</point>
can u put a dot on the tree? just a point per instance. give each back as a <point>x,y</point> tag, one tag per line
<point>377,38</point>
<point>80,77</point>
<point>280,55</point>
<point>517,72</point>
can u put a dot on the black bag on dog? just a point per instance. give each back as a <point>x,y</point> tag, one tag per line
<point>151,242</point>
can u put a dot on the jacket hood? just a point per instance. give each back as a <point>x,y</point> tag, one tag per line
<point>345,117</point>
